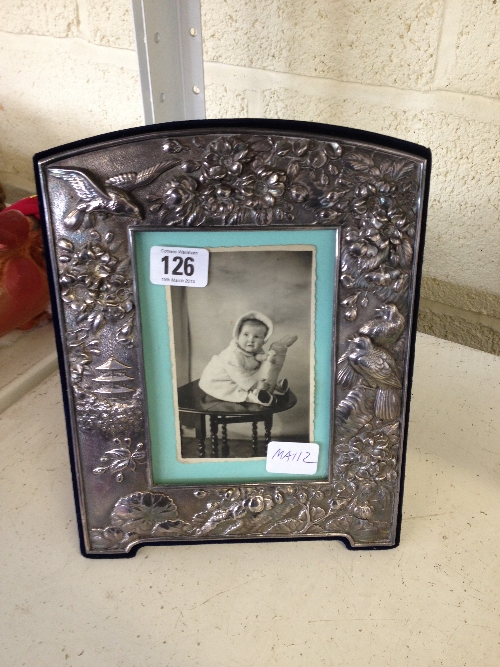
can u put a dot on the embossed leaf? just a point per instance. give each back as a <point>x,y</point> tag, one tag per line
<point>337,503</point>
<point>106,538</point>
<point>141,512</point>
<point>127,328</point>
<point>116,466</point>
<point>278,498</point>
<point>333,525</point>
<point>97,321</point>
<point>119,453</point>
<point>282,147</point>
<point>391,429</point>
<point>189,166</point>
<point>333,150</point>
<point>386,167</point>
<point>383,497</point>
<point>301,497</point>
<point>323,179</point>
<point>123,265</point>
<point>172,146</point>
<point>329,217</point>
<point>317,158</point>
<point>292,170</point>
<point>262,146</point>
<point>317,513</point>
<point>402,169</point>
<point>300,147</point>
<point>65,245</point>
<point>350,300</point>
<point>315,529</point>
<point>201,518</point>
<point>100,470</point>
<point>172,528</point>
<point>405,253</point>
<point>285,527</point>
<point>359,161</point>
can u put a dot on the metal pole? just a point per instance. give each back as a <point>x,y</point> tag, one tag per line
<point>169,50</point>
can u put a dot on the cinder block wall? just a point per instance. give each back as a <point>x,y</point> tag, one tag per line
<point>423,70</point>
<point>68,71</point>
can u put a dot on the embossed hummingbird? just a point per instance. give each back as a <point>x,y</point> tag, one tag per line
<point>112,197</point>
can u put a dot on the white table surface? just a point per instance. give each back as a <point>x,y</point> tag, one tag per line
<point>434,600</point>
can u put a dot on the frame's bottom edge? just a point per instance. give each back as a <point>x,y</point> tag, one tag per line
<point>131,549</point>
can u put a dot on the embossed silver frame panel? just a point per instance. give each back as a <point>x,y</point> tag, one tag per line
<point>246,174</point>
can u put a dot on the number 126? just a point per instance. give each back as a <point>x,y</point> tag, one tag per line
<point>182,266</point>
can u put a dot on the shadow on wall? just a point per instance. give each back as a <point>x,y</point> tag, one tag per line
<point>277,283</point>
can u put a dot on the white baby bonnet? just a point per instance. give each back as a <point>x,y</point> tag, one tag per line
<point>254,315</point>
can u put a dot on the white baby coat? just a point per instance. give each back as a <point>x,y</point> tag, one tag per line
<point>230,374</point>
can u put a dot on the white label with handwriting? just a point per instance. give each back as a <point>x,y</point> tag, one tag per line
<point>178,266</point>
<point>294,458</point>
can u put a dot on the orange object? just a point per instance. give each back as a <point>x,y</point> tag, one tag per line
<point>24,291</point>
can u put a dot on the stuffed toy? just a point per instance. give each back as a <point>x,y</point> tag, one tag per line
<point>273,363</point>
<point>24,291</point>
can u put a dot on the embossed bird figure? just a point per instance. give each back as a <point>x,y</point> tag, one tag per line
<point>386,326</point>
<point>376,368</point>
<point>112,197</point>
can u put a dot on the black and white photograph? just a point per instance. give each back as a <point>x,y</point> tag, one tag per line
<point>244,352</point>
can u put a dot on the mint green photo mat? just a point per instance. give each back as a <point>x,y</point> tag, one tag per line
<point>156,348</point>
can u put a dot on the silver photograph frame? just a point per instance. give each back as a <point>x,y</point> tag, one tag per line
<point>235,175</point>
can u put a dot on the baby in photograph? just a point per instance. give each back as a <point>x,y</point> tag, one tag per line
<point>243,371</point>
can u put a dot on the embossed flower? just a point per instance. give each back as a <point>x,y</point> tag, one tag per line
<point>365,248</point>
<point>363,512</point>
<point>260,198</point>
<point>141,512</point>
<point>239,501</point>
<point>256,504</point>
<point>224,158</point>
<point>118,459</point>
<point>218,199</point>
<point>385,205</point>
<point>363,448</point>
<point>95,283</point>
<point>321,161</point>
<point>263,187</point>
<point>180,202</point>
